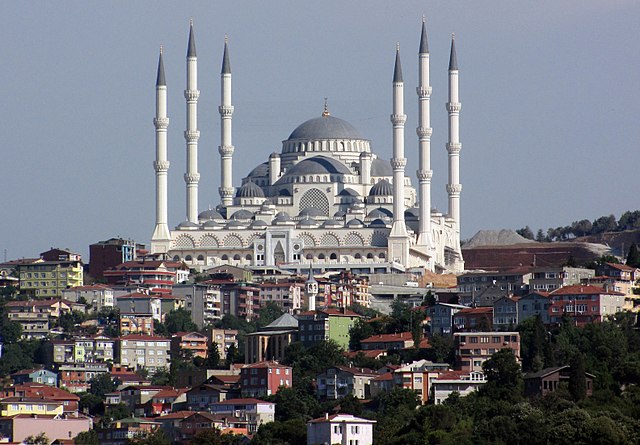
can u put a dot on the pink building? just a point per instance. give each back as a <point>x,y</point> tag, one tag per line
<point>264,378</point>
<point>19,427</point>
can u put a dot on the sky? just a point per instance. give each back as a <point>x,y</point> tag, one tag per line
<point>550,94</point>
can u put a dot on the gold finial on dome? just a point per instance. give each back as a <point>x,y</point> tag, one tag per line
<point>325,112</point>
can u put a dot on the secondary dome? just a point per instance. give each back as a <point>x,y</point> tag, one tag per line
<point>318,165</point>
<point>381,188</point>
<point>250,190</point>
<point>325,127</point>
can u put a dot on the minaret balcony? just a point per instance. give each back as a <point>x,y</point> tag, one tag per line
<point>424,132</point>
<point>454,147</point>
<point>423,92</point>
<point>454,107</point>
<point>161,166</point>
<point>398,119</point>
<point>225,111</point>
<point>192,135</point>
<point>226,150</point>
<point>161,123</point>
<point>191,95</point>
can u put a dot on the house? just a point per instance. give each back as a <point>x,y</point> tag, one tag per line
<point>107,254</point>
<point>505,313</point>
<point>35,316</point>
<point>534,304</point>
<point>44,376</point>
<point>136,397</point>
<point>326,324</point>
<point>96,348</point>
<point>144,351</point>
<point>224,339</point>
<point>460,382</point>
<point>135,323</point>
<point>76,377</point>
<point>32,406</point>
<point>474,348</point>
<point>286,294</point>
<point>383,383</point>
<point>253,411</point>
<point>203,301</point>
<point>141,303</point>
<point>339,381</point>
<point>472,285</point>
<point>547,279</point>
<point>56,270</point>
<point>99,296</point>
<point>41,391</point>
<point>400,340</point>
<point>548,380</point>
<point>156,276</point>
<point>56,427</point>
<point>441,315</point>
<point>120,432</point>
<point>584,303</point>
<point>201,397</point>
<point>340,428</point>
<point>264,378</point>
<point>166,401</point>
<point>192,343</point>
<point>473,319</point>
<point>417,376</point>
<point>270,342</point>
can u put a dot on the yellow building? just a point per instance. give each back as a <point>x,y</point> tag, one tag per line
<point>11,406</point>
<point>47,277</point>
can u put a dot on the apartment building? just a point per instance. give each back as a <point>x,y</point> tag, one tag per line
<point>142,351</point>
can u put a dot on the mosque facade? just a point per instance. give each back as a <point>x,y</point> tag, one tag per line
<point>325,199</point>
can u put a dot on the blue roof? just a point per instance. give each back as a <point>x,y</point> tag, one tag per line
<point>325,127</point>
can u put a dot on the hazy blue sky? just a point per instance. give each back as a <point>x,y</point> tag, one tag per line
<point>550,95</point>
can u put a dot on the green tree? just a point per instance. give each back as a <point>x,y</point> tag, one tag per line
<point>102,384</point>
<point>633,257</point>
<point>268,313</point>
<point>360,330</point>
<point>504,377</point>
<point>117,412</point>
<point>525,232</point>
<point>37,439</point>
<point>577,378</point>
<point>179,320</point>
<point>91,403</point>
<point>233,355</point>
<point>11,331</point>
<point>289,432</point>
<point>213,356</point>
<point>86,438</point>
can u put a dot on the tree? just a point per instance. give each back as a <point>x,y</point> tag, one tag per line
<point>268,313</point>
<point>86,438</point>
<point>577,378</point>
<point>117,412</point>
<point>213,356</point>
<point>504,377</point>
<point>179,320</point>
<point>233,355</point>
<point>91,403</point>
<point>102,384</point>
<point>37,439</point>
<point>540,236</point>
<point>360,330</point>
<point>633,257</point>
<point>604,224</point>
<point>11,331</point>
<point>525,232</point>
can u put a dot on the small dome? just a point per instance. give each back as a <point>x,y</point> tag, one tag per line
<point>311,212</point>
<point>250,190</point>
<point>380,212</point>
<point>331,224</point>
<point>308,222</point>
<point>235,224</point>
<point>348,192</point>
<point>340,214</point>
<point>325,127</point>
<point>258,224</point>
<point>187,225</point>
<point>317,165</point>
<point>378,223</point>
<point>357,204</point>
<point>242,214</point>
<point>412,213</point>
<point>355,223</point>
<point>282,217</point>
<point>209,215</point>
<point>381,188</point>
<point>284,192</point>
<point>212,225</point>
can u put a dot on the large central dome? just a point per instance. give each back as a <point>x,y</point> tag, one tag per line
<point>325,127</point>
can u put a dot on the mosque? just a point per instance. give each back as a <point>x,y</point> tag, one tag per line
<point>325,199</point>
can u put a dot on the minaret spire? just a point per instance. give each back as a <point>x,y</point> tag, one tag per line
<point>191,134</point>
<point>398,244</point>
<point>454,188</point>
<point>425,237</point>
<point>226,148</point>
<point>161,237</point>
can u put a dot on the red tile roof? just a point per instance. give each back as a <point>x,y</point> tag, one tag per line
<point>578,289</point>
<point>243,402</point>
<point>399,336</point>
<point>475,311</point>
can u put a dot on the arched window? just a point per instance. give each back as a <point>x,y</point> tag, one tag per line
<point>309,256</point>
<point>200,258</point>
<point>248,257</point>
<point>321,256</point>
<point>382,256</point>
<point>333,256</point>
<point>357,256</point>
<point>176,258</point>
<point>224,258</point>
<point>188,258</point>
<point>370,256</point>
<point>236,257</point>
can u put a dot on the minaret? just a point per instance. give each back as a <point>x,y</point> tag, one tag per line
<point>161,237</point>
<point>398,244</point>
<point>424,130</point>
<point>226,148</point>
<point>453,146</point>
<point>191,134</point>
<point>311,290</point>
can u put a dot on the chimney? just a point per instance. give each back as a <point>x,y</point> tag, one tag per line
<point>326,416</point>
